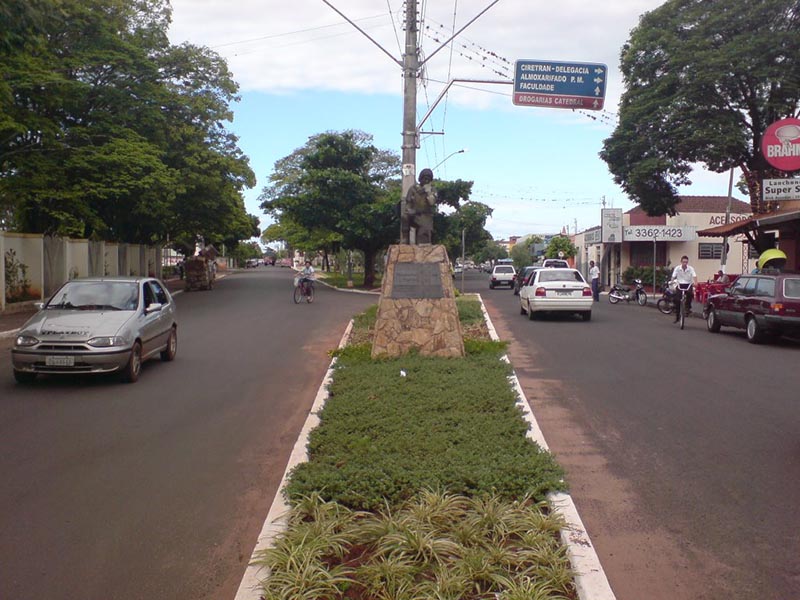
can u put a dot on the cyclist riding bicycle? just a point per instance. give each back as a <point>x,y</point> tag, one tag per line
<point>307,276</point>
<point>686,275</point>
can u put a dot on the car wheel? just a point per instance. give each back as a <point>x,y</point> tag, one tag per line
<point>130,374</point>
<point>712,323</point>
<point>168,353</point>
<point>755,334</point>
<point>24,377</point>
<point>530,312</point>
<point>586,315</point>
<point>491,286</point>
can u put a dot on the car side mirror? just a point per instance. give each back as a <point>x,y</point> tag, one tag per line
<point>154,307</point>
<point>38,305</point>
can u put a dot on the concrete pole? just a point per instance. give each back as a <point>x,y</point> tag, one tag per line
<point>410,141</point>
<point>724,261</point>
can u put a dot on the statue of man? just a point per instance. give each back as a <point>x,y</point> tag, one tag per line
<point>418,210</point>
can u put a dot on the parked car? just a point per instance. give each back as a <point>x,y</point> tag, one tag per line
<point>557,263</point>
<point>520,277</point>
<point>98,325</point>
<point>251,263</point>
<point>502,275</point>
<point>764,305</point>
<point>556,290</point>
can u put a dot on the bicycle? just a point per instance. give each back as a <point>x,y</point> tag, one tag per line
<point>683,302</point>
<point>304,288</point>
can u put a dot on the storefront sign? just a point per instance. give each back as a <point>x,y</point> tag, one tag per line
<point>662,233</point>
<point>611,225</point>
<point>592,237</point>
<point>781,144</point>
<point>781,189</point>
<point>720,219</point>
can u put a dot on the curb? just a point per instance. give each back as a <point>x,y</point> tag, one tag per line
<point>590,579</point>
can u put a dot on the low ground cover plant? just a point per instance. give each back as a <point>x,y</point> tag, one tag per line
<point>421,483</point>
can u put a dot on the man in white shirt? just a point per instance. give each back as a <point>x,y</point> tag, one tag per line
<point>594,276</point>
<point>684,273</point>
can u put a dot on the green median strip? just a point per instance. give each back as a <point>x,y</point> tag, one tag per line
<point>421,480</point>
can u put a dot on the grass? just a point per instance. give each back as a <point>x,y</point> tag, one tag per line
<point>421,483</point>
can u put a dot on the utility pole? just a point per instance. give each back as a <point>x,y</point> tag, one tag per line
<point>724,258</point>
<point>411,65</point>
<point>410,68</point>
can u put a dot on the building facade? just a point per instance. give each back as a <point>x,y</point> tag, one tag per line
<point>661,241</point>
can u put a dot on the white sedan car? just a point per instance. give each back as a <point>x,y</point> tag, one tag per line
<point>556,290</point>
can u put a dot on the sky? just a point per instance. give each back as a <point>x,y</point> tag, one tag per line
<point>304,70</point>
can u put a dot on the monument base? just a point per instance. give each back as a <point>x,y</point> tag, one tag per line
<point>417,309</point>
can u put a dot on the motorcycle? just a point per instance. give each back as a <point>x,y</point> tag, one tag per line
<point>623,292</point>
<point>666,303</point>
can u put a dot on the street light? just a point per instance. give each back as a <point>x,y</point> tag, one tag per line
<point>450,155</point>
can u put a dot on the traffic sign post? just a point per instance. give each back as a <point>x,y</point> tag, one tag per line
<point>553,84</point>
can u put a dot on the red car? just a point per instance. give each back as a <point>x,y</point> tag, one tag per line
<point>764,305</point>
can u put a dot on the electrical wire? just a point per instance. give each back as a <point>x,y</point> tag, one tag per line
<point>278,35</point>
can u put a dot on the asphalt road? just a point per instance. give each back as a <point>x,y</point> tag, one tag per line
<point>159,489</point>
<point>682,447</point>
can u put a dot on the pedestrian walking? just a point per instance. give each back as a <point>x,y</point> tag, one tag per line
<point>594,275</point>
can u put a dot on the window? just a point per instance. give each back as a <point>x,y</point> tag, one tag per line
<point>791,288</point>
<point>750,286</point>
<point>738,286</point>
<point>766,287</point>
<point>709,251</point>
<point>161,297</point>
<point>752,253</point>
<point>548,275</point>
<point>149,296</point>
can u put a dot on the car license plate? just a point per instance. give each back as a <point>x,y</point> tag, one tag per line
<point>564,292</point>
<point>59,361</point>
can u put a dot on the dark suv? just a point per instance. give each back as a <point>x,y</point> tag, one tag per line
<point>763,304</point>
<point>519,278</point>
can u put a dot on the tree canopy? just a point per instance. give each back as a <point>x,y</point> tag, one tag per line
<point>703,81</point>
<point>336,191</point>
<point>108,130</point>
<point>560,243</point>
<point>340,191</point>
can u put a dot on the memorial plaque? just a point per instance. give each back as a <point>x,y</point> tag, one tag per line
<point>417,280</point>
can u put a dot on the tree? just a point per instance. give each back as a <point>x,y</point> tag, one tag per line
<point>522,252</point>
<point>560,243</point>
<point>107,130</point>
<point>703,81</point>
<point>490,251</point>
<point>338,187</point>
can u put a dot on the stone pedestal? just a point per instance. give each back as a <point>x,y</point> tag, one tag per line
<point>417,308</point>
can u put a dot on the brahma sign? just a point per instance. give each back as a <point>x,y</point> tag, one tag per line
<point>781,144</point>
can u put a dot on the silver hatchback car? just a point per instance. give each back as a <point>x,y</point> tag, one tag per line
<point>98,325</point>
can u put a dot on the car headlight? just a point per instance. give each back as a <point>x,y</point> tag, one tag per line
<point>108,341</point>
<point>26,340</point>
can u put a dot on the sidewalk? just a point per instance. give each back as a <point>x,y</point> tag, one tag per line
<point>9,323</point>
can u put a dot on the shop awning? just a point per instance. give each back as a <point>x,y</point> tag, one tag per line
<point>763,222</point>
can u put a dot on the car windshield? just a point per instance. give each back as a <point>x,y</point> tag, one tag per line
<point>554,275</point>
<point>96,295</point>
<point>504,269</point>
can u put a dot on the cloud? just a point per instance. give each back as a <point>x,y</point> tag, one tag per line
<point>281,47</point>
